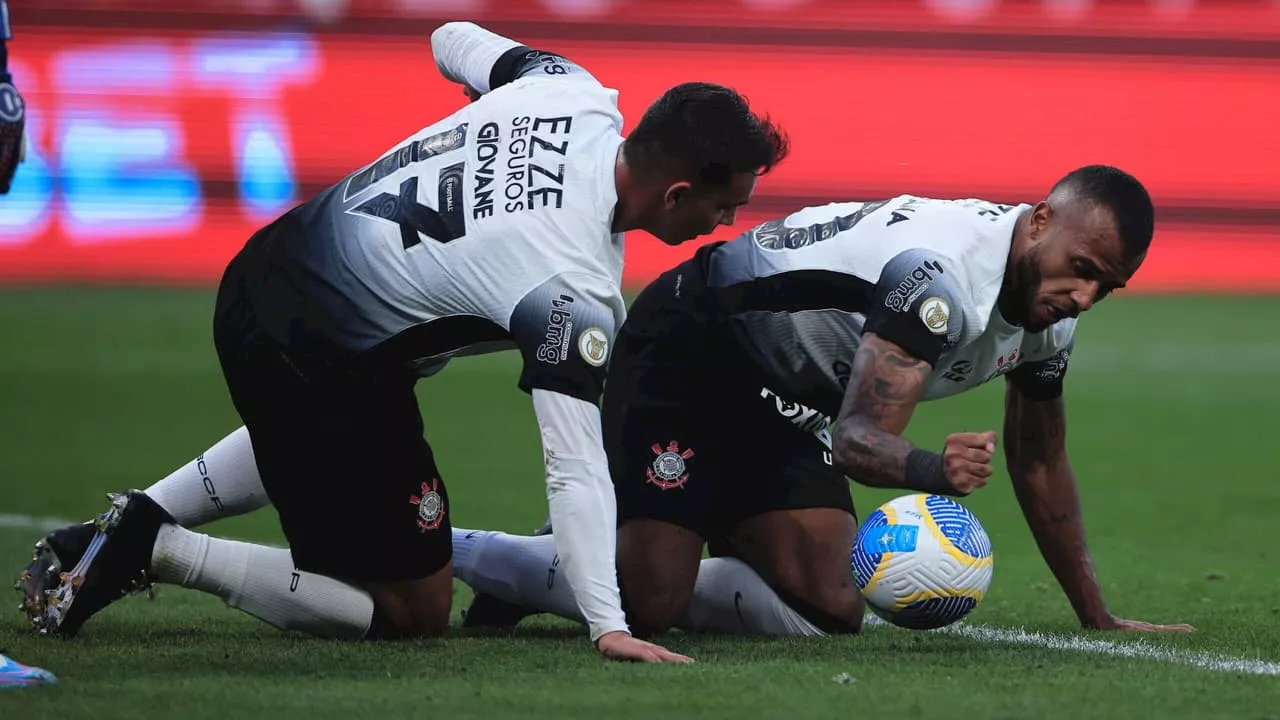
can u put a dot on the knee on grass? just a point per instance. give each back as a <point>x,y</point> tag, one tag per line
<point>412,609</point>
<point>834,608</point>
<point>395,624</point>
<point>656,608</point>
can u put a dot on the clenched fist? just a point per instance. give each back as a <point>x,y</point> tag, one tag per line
<point>966,459</point>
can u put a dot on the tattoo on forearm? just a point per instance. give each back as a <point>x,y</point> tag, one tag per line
<point>885,386</point>
<point>1034,431</point>
<point>887,383</point>
<point>1035,440</point>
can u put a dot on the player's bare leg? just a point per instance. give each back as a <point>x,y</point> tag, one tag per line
<point>804,556</point>
<point>414,608</point>
<point>657,569</point>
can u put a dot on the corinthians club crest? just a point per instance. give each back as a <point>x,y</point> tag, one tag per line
<point>668,468</point>
<point>430,506</point>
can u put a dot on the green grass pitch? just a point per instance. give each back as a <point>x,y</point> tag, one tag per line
<point>1171,404</point>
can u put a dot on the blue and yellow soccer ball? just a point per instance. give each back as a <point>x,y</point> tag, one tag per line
<point>922,561</point>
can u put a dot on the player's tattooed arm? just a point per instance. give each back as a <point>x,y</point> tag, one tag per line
<point>915,317</point>
<point>884,388</point>
<point>1035,442</point>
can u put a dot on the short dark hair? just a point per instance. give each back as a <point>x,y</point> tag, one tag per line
<point>706,133</point>
<point>1123,195</point>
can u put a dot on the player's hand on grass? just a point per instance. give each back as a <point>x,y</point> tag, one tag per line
<point>622,646</point>
<point>967,460</point>
<point>1114,623</point>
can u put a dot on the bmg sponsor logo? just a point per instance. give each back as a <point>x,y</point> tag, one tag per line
<point>913,286</point>
<point>555,344</point>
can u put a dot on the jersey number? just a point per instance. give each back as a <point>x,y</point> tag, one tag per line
<point>416,219</point>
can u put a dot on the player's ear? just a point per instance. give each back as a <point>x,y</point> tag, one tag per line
<point>676,193</point>
<point>1041,214</point>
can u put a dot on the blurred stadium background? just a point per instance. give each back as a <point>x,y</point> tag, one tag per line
<point>165,133</point>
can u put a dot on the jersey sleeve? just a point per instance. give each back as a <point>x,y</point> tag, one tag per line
<point>524,61</point>
<point>1040,376</point>
<point>918,304</point>
<point>564,329</point>
<point>581,503</point>
<point>469,54</point>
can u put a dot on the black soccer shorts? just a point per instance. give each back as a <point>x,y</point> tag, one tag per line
<point>341,453</point>
<point>693,433</point>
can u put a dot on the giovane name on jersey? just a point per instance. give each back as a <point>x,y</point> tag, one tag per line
<point>533,175</point>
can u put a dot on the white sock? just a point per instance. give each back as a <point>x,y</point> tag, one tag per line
<point>222,482</point>
<point>730,597</point>
<point>516,568</point>
<point>522,570</point>
<point>262,581</point>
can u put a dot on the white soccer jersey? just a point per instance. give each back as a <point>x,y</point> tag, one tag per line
<point>922,273</point>
<point>487,230</point>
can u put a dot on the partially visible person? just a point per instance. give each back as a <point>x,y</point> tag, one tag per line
<point>13,113</point>
<point>14,675</point>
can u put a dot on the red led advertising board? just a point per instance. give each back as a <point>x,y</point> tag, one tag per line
<point>157,152</point>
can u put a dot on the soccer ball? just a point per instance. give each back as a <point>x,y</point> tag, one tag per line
<point>922,561</point>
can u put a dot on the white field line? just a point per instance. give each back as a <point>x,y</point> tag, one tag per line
<point>31,522</point>
<point>1137,650</point>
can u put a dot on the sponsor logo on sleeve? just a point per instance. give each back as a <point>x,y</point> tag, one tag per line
<point>556,340</point>
<point>913,286</point>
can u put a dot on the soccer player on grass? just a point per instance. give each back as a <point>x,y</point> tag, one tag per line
<point>498,226</point>
<point>730,368</point>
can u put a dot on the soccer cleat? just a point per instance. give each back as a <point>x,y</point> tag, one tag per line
<point>114,564</point>
<point>70,542</point>
<point>14,674</point>
<point>488,611</point>
<point>60,549</point>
